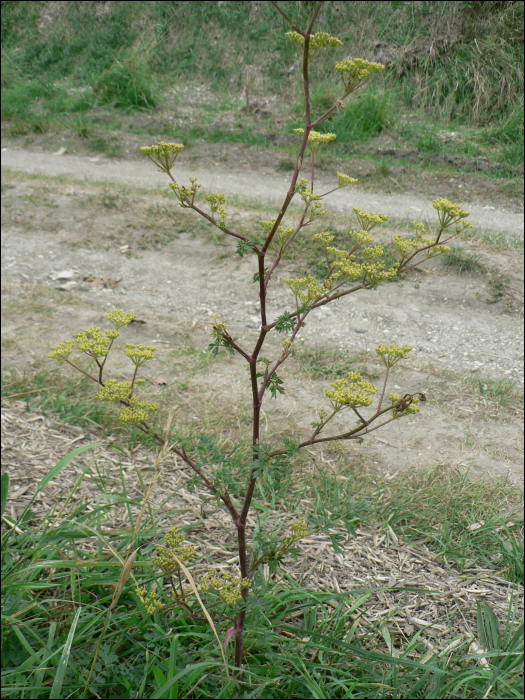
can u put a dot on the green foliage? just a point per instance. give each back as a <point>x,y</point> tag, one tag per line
<point>462,262</point>
<point>128,84</point>
<point>364,117</point>
<point>302,642</point>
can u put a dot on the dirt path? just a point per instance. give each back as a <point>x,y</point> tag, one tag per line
<point>265,187</point>
<point>467,352</point>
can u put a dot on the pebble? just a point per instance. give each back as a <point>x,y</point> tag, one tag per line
<point>360,330</point>
<point>65,275</point>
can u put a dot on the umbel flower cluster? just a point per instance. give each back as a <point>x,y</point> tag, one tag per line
<point>96,345</point>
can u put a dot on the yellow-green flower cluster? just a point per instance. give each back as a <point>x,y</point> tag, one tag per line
<point>369,220</point>
<point>282,235</point>
<point>163,154</point>
<point>315,139</point>
<point>391,354</point>
<point>185,195</point>
<point>92,342</point>
<point>345,263</point>
<point>354,73</point>
<point>311,200</point>
<point>150,600</point>
<point>139,354</point>
<point>306,289</point>
<point>173,545</point>
<point>449,213</point>
<point>352,391</point>
<point>219,327</point>
<point>405,245</point>
<point>114,391</point>
<point>119,318</point>
<point>324,238</point>
<point>137,412</point>
<point>394,398</point>
<point>299,529</point>
<point>345,180</point>
<point>362,237</point>
<point>318,41</point>
<point>62,351</point>
<point>228,586</point>
<point>216,202</point>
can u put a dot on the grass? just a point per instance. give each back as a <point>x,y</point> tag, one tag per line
<point>59,576</point>
<point>463,262</point>
<point>128,59</point>
<point>492,396</point>
<point>301,642</point>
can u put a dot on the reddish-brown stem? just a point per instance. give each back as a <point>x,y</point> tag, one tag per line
<point>93,379</point>
<point>351,435</point>
<point>365,422</point>
<point>134,377</point>
<point>212,220</point>
<point>236,347</point>
<point>279,362</point>
<point>383,392</point>
<point>104,361</point>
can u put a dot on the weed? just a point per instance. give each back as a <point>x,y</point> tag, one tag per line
<point>463,262</point>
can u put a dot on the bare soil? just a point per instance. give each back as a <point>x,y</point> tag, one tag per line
<point>468,350</point>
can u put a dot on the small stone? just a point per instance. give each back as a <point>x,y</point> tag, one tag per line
<point>65,275</point>
<point>124,248</point>
<point>360,330</point>
<point>94,160</point>
<point>66,286</point>
<point>61,151</point>
<point>408,630</point>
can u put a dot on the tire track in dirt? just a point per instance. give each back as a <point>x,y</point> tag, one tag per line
<point>253,185</point>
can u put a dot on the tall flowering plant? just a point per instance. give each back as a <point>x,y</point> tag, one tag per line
<point>360,265</point>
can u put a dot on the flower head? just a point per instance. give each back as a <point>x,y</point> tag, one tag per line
<point>139,354</point>
<point>391,354</point>
<point>150,600</point>
<point>228,586</point>
<point>120,318</point>
<point>324,238</point>
<point>354,73</point>
<point>185,195</point>
<point>450,214</point>
<point>369,220</point>
<point>219,326</point>
<point>163,154</point>
<point>216,202</point>
<point>92,342</point>
<point>137,412</point>
<point>305,289</point>
<point>352,391</point>
<point>345,180</point>
<point>114,391</point>
<point>318,41</point>
<point>315,139</point>
<point>62,351</point>
<point>174,544</point>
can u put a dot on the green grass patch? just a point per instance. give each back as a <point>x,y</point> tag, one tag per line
<point>473,524</point>
<point>463,262</point>
<point>59,578</point>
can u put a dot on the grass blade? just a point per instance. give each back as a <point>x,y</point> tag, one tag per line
<point>64,660</point>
